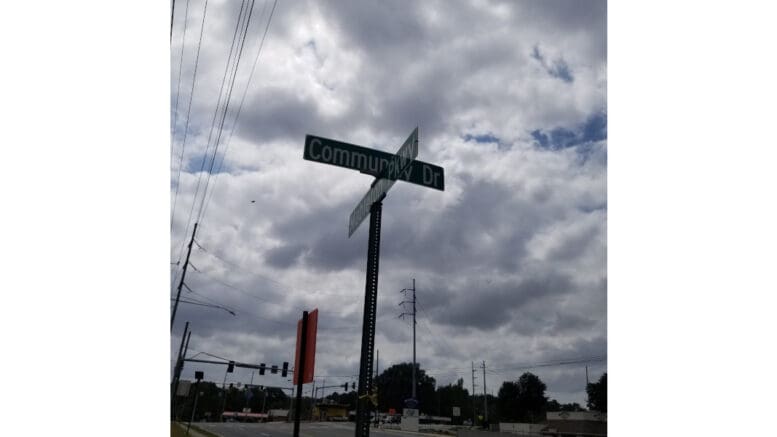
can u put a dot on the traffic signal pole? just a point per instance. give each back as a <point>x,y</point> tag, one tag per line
<point>368,325</point>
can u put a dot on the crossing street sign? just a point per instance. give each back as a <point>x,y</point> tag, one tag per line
<point>387,169</point>
<point>388,176</point>
<point>370,161</point>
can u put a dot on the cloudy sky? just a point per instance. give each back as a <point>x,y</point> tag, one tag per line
<point>509,262</point>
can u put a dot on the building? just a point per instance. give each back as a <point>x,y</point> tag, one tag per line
<point>330,412</point>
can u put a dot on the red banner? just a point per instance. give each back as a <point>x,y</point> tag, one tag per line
<point>310,348</point>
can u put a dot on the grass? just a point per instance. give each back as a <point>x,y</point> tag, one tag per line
<point>179,430</point>
<point>176,430</point>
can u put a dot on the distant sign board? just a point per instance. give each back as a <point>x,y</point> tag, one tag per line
<point>456,411</point>
<point>310,348</point>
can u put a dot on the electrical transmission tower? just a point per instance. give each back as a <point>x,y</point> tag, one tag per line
<point>404,291</point>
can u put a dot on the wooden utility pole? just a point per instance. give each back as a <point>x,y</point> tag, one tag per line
<point>183,275</point>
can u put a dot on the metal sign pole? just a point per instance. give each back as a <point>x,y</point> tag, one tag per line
<point>194,409</point>
<point>300,373</point>
<point>368,325</point>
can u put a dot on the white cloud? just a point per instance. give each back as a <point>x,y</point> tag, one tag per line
<point>510,259</point>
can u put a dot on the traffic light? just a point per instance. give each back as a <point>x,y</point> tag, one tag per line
<point>274,369</point>
<point>285,369</point>
<point>230,386</point>
<point>231,367</point>
<point>353,386</point>
<point>261,369</point>
<point>345,386</point>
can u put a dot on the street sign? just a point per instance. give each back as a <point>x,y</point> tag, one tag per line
<point>456,411</point>
<point>370,161</point>
<point>386,169</point>
<point>398,164</point>
<point>310,348</point>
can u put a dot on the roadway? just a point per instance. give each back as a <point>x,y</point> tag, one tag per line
<point>283,429</point>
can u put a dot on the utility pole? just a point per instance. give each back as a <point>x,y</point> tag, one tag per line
<point>474,415</point>
<point>183,275</point>
<point>414,323</point>
<point>177,371</point>
<point>183,358</point>
<point>485,396</point>
<point>586,376</point>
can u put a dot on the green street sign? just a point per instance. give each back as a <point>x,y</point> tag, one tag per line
<point>398,164</point>
<point>371,161</point>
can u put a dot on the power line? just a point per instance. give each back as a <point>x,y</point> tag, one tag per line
<point>180,72</point>
<point>322,327</point>
<point>242,291</point>
<point>554,363</point>
<point>213,123</point>
<point>242,99</point>
<point>204,305</point>
<point>242,268</point>
<point>188,117</point>
<point>226,108</point>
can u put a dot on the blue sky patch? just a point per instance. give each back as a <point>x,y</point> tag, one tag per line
<point>593,129</point>
<point>194,165</point>
<point>560,69</point>
<point>487,139</point>
<point>484,138</point>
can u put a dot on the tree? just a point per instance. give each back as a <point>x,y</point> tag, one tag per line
<point>597,394</point>
<point>507,401</point>
<point>454,395</point>
<point>554,406</point>
<point>395,385</point>
<point>523,400</point>
<point>348,398</point>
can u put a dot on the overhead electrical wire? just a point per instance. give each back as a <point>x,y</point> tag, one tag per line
<point>206,196</point>
<point>266,301</point>
<point>180,72</point>
<point>243,269</point>
<point>242,100</point>
<point>283,286</point>
<point>238,28</point>
<point>226,109</point>
<point>188,116</point>
<point>204,305</point>
<point>552,363</point>
<point>240,311</point>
